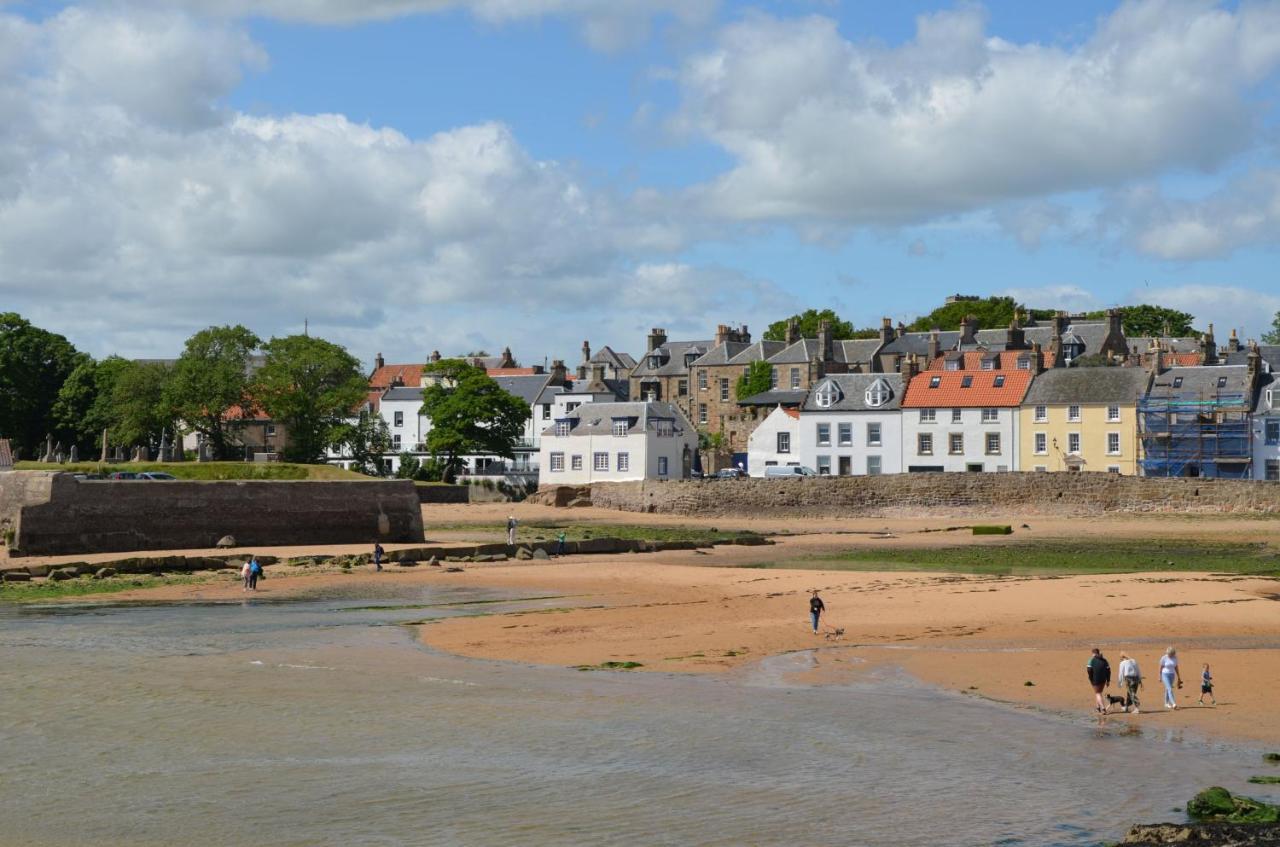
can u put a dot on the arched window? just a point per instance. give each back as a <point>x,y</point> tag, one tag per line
<point>878,393</point>
<point>827,395</point>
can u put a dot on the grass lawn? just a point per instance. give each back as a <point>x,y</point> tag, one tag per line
<point>206,470</point>
<point>1058,557</point>
<point>35,592</point>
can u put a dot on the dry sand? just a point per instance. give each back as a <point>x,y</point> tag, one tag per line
<point>984,635</point>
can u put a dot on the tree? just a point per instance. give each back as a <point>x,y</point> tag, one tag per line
<point>1152,321</point>
<point>991,313</point>
<point>807,326</point>
<point>1272,336</point>
<point>210,379</point>
<point>311,386</point>
<point>140,404</point>
<point>86,403</point>
<point>757,380</point>
<point>366,440</point>
<point>33,365</point>
<point>470,414</point>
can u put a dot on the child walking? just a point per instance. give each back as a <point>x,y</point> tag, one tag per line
<point>1206,686</point>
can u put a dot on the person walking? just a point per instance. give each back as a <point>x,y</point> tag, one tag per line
<point>1132,679</point>
<point>244,574</point>
<point>1168,674</point>
<point>560,543</point>
<point>816,608</point>
<point>1099,672</point>
<point>1206,686</point>
<point>255,573</point>
<point>511,530</point>
<point>377,556</point>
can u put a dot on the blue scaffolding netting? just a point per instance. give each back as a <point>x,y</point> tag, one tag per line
<point>1185,436</point>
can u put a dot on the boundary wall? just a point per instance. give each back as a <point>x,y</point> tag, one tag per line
<point>958,494</point>
<point>54,513</point>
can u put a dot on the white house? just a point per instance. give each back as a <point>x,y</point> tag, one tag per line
<point>851,425</point>
<point>1265,425</point>
<point>617,442</point>
<point>776,441</point>
<point>963,420</point>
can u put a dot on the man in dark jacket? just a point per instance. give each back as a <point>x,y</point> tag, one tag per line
<point>1099,671</point>
<point>816,608</point>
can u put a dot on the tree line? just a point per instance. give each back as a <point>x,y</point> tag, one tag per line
<point>223,378</point>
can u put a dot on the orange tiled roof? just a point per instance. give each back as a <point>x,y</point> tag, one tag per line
<point>510,371</point>
<point>1184,360</point>
<point>237,413</point>
<point>795,413</point>
<point>410,375</point>
<point>982,391</point>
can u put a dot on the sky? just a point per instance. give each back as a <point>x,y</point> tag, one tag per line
<point>403,176</point>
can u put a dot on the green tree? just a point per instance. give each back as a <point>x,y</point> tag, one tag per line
<point>991,313</point>
<point>757,380</point>
<point>312,386</point>
<point>1272,336</point>
<point>470,414</point>
<point>807,326</point>
<point>140,404</point>
<point>86,403</point>
<point>211,378</point>
<point>33,365</point>
<point>1150,321</point>
<point>365,440</point>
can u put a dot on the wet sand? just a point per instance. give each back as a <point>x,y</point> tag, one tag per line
<point>712,612</point>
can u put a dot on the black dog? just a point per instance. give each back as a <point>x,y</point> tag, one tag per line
<point>1122,702</point>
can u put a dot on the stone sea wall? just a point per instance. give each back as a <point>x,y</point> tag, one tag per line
<point>958,494</point>
<point>56,514</point>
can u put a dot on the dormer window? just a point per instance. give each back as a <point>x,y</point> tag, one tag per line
<point>1024,363</point>
<point>563,427</point>
<point>655,361</point>
<point>664,428</point>
<point>690,358</point>
<point>988,364</point>
<point>619,429</point>
<point>878,393</point>
<point>953,365</point>
<point>826,395</point>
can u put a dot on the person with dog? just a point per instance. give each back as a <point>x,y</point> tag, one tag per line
<point>1168,674</point>
<point>816,608</point>
<point>1099,672</point>
<point>1132,679</point>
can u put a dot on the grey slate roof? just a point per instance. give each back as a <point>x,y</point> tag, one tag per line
<point>1205,382</point>
<point>1091,333</point>
<point>404,392</point>
<point>1070,386</point>
<point>1177,345</point>
<point>918,343</point>
<point>776,397</point>
<point>759,351</point>
<point>548,395</point>
<point>1270,355</point>
<point>804,350</point>
<point>853,390</point>
<point>857,351</point>
<point>606,356</point>
<point>673,353</point>
<point>527,388</point>
<point>721,354</point>
<point>598,418</point>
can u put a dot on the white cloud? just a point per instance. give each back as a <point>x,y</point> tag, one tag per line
<point>1243,213</point>
<point>1222,305</point>
<point>605,24</point>
<point>822,128</point>
<point>135,209</point>
<point>1065,296</point>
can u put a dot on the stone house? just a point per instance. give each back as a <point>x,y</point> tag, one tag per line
<point>1083,419</point>
<point>616,366</point>
<point>617,442</point>
<point>665,372</point>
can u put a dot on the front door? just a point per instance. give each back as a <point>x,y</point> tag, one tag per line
<point>846,465</point>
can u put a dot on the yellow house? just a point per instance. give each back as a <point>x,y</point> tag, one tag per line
<point>1082,419</point>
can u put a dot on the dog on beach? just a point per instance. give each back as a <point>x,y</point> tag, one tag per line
<point>1113,700</point>
<point>834,633</point>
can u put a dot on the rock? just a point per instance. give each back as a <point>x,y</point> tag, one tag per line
<point>1218,804</point>
<point>453,570</point>
<point>408,563</point>
<point>63,574</point>
<point>524,554</point>
<point>540,554</point>
<point>433,562</point>
<point>226,542</point>
<point>1202,835</point>
<point>16,576</point>
<point>103,573</point>
<point>38,570</point>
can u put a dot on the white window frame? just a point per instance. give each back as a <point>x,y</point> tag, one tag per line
<point>576,462</point>
<point>600,462</point>
<point>620,429</point>
<point>783,442</point>
<point>624,461</point>
<point>1113,414</point>
<point>1041,447</point>
<point>957,416</point>
<point>724,390</point>
<point>662,466</point>
<point>990,416</point>
<point>397,417</point>
<point>989,439</point>
<point>563,428</point>
<point>923,439</point>
<point>875,435</point>
<point>395,441</point>
<point>844,434</point>
<point>1073,438</point>
<point>826,395</point>
<point>557,462</point>
<point>1113,437</point>
<point>878,393</point>
<point>928,416</point>
<point>702,380</point>
<point>1041,414</point>
<point>702,413</point>
<point>1073,414</point>
<point>824,465</point>
<point>875,467</point>
<point>821,439</point>
<point>954,447</point>
<point>795,378</point>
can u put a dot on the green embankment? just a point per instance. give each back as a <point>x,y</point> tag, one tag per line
<point>42,590</point>
<point>207,470</point>
<point>550,531</point>
<point>1058,557</point>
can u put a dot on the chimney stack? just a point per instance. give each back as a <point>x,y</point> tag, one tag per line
<point>886,330</point>
<point>826,347</point>
<point>657,337</point>
<point>435,355</point>
<point>744,335</point>
<point>1209,348</point>
<point>935,345</point>
<point>902,329</point>
<point>597,374</point>
<point>586,351</point>
<point>722,334</point>
<point>1037,358</point>
<point>790,337</point>
<point>910,368</point>
<point>968,330</point>
<point>1015,338</point>
<point>1253,363</point>
<point>1233,343</point>
<point>378,362</point>
<point>506,361</point>
<point>559,373</point>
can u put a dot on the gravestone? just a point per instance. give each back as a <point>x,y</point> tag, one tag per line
<point>166,452</point>
<point>75,454</point>
<point>102,458</point>
<point>47,456</point>
<point>202,452</point>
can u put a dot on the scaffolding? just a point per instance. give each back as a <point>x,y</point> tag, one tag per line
<point>1184,436</point>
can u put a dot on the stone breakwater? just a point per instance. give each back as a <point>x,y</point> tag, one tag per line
<point>951,494</point>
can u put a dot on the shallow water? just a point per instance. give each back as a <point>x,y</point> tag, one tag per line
<point>304,724</point>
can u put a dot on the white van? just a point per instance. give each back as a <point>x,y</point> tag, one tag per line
<point>787,471</point>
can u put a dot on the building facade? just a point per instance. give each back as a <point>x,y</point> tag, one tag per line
<point>1083,419</point>
<point>963,420</point>
<point>617,442</point>
<point>851,425</point>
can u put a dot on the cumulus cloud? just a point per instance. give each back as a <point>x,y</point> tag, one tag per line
<point>824,128</point>
<point>607,25</point>
<point>1065,296</point>
<point>135,208</point>
<point>1223,305</point>
<point>1243,213</point>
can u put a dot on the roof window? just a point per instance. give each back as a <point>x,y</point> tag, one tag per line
<point>1177,382</point>
<point>998,382</point>
<point>935,381</point>
<point>966,382</point>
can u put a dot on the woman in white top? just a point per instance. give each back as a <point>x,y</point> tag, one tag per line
<point>1168,674</point>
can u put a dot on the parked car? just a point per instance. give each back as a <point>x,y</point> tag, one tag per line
<point>730,473</point>
<point>83,476</point>
<point>157,475</point>
<point>788,472</point>
<point>122,475</point>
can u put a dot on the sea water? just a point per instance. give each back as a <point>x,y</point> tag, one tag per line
<point>324,723</point>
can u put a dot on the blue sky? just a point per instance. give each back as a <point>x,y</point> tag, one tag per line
<point>410,175</point>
